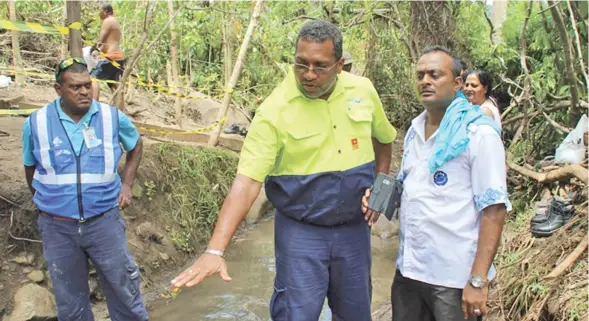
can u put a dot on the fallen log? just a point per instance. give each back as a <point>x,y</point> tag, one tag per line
<point>569,260</point>
<point>563,173</point>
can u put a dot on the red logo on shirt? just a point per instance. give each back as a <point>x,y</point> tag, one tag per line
<point>355,143</point>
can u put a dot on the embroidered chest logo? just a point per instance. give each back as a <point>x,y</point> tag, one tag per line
<point>440,178</point>
<point>56,141</point>
<point>355,143</point>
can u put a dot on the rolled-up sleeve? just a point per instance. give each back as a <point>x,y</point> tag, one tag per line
<point>382,129</point>
<point>128,134</point>
<point>488,171</point>
<point>27,145</point>
<point>260,148</point>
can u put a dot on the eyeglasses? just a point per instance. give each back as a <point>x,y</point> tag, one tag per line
<point>68,62</point>
<point>317,70</point>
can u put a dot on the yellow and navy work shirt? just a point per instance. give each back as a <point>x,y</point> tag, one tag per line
<point>316,156</point>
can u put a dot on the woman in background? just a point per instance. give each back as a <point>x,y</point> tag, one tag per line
<point>478,90</point>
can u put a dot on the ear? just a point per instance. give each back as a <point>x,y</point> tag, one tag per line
<point>57,88</point>
<point>457,83</point>
<point>340,65</point>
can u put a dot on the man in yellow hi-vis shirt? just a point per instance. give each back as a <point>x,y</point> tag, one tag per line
<point>317,141</point>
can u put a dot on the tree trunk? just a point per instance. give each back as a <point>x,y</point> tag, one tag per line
<point>575,112</point>
<point>16,60</point>
<point>432,24</point>
<point>174,63</point>
<point>64,42</point>
<point>73,15</point>
<point>214,139</point>
<point>498,16</point>
<point>227,45</point>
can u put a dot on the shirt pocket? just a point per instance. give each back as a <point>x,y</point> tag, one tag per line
<point>95,163</point>
<point>303,140</point>
<point>361,122</point>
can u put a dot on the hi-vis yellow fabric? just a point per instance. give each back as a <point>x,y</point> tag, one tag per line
<point>294,135</point>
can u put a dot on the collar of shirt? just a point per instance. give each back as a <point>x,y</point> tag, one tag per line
<point>85,119</point>
<point>418,124</point>
<point>292,89</point>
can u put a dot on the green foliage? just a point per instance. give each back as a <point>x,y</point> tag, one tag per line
<point>196,182</point>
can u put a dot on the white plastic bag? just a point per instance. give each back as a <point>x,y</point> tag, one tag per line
<point>572,148</point>
<point>5,81</point>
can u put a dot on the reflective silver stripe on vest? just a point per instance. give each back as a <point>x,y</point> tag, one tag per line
<point>69,179</point>
<point>109,152</point>
<point>44,141</point>
<point>66,179</point>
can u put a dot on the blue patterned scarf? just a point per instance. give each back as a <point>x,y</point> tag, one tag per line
<point>452,138</point>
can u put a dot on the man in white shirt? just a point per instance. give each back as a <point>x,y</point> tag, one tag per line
<point>451,214</point>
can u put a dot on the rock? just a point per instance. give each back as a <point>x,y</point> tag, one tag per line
<point>36,276</point>
<point>49,281</point>
<point>384,228</point>
<point>5,267</point>
<point>27,270</point>
<point>150,232</point>
<point>92,285</point>
<point>137,191</point>
<point>260,208</point>
<point>20,260</point>
<point>30,259</point>
<point>1,287</point>
<point>164,256</point>
<point>33,302</point>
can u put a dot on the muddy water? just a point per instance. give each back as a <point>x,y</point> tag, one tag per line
<point>251,265</point>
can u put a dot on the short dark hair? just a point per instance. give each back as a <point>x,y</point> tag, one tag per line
<point>75,67</point>
<point>456,64</point>
<point>320,31</point>
<point>106,7</point>
<point>485,79</point>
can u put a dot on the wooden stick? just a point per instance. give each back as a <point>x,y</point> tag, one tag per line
<point>569,260</point>
<point>19,238</point>
<point>574,170</point>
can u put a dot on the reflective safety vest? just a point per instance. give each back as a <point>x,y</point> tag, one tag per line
<point>69,185</point>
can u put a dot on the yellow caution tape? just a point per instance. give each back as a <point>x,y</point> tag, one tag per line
<point>17,112</point>
<point>38,28</point>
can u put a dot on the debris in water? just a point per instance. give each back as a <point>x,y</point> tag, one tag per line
<point>170,293</point>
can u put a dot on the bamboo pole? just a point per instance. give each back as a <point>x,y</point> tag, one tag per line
<point>214,139</point>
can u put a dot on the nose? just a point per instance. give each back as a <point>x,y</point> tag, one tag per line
<point>310,75</point>
<point>85,91</point>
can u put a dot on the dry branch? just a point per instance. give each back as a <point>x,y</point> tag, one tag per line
<point>569,260</point>
<point>555,124</point>
<point>578,44</point>
<point>563,173</point>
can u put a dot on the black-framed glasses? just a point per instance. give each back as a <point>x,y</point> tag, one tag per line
<point>318,70</point>
<point>68,62</point>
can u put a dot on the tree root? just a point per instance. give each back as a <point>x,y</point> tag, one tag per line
<point>569,260</point>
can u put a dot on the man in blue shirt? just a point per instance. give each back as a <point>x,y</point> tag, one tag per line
<point>71,148</point>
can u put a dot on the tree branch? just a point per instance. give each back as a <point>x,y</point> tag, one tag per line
<point>561,174</point>
<point>578,44</point>
<point>555,124</point>
<point>569,260</point>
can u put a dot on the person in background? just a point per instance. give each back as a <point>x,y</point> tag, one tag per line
<point>453,204</point>
<point>71,148</point>
<point>478,89</point>
<point>317,142</point>
<point>348,60</point>
<point>108,43</point>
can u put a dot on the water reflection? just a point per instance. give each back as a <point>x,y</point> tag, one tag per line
<point>251,266</point>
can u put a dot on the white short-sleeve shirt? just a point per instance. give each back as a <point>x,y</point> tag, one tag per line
<point>440,213</point>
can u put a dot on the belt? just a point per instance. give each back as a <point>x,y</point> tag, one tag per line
<point>67,219</point>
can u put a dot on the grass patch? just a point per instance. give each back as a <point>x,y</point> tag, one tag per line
<point>195,181</point>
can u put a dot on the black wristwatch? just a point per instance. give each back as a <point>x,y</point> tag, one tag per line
<point>477,282</point>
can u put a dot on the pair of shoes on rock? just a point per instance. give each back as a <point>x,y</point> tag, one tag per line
<point>235,129</point>
<point>550,218</point>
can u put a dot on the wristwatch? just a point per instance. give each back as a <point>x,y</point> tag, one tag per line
<point>477,282</point>
<point>215,252</point>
